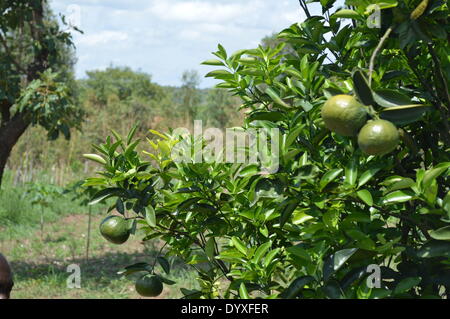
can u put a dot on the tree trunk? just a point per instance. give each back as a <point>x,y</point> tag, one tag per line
<point>11,129</point>
<point>9,135</point>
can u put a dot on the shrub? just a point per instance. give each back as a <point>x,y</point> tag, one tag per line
<point>330,216</point>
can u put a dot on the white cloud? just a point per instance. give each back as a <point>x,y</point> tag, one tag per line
<point>103,37</point>
<point>197,11</point>
<point>166,37</point>
<point>190,34</point>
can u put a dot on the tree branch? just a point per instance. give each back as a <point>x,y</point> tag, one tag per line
<point>439,74</point>
<point>305,8</point>
<point>9,53</point>
<point>376,51</point>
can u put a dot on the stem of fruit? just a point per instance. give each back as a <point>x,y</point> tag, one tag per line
<point>377,50</point>
<point>156,258</point>
<point>373,113</point>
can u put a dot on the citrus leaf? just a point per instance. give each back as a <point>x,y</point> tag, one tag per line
<point>219,74</point>
<point>296,286</point>
<point>398,197</point>
<point>390,98</point>
<point>243,293</point>
<point>275,97</point>
<point>351,172</point>
<point>335,261</point>
<point>362,88</point>
<point>299,252</point>
<point>210,247</point>
<point>434,173</point>
<point>250,170</point>
<point>346,13</point>
<point>158,134</point>
<point>165,280</point>
<point>287,211</point>
<point>365,196</point>
<point>441,233</point>
<point>104,194</point>
<point>187,203</point>
<point>150,216</point>
<point>292,136</point>
<point>434,249</point>
<point>131,134</point>
<point>446,203</point>
<point>329,176</point>
<point>261,251</point>
<point>213,62</point>
<point>190,294</point>
<point>239,245</point>
<point>270,256</point>
<point>164,264</point>
<point>419,10</point>
<point>401,184</point>
<point>404,114</point>
<point>352,276</point>
<point>332,290</point>
<point>95,158</point>
<point>138,267</point>
<point>119,206</point>
<point>367,175</point>
<point>406,284</point>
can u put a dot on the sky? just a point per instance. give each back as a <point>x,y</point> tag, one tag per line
<point>166,37</point>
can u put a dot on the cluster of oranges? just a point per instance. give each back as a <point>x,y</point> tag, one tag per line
<point>344,115</point>
<point>115,229</point>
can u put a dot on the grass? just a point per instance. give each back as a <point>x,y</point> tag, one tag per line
<point>40,261</point>
<point>18,216</point>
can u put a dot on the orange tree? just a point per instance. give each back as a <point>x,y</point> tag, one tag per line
<point>332,218</point>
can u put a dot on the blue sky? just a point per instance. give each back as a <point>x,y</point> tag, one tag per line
<point>166,37</point>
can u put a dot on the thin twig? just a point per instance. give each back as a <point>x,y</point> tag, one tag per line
<point>305,8</point>
<point>376,51</point>
<point>435,96</point>
<point>156,258</point>
<point>88,240</point>
<point>438,67</point>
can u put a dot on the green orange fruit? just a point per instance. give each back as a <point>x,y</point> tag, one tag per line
<point>115,229</point>
<point>344,115</point>
<point>149,286</point>
<point>378,137</point>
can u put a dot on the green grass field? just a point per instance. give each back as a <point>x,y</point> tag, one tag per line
<point>40,259</point>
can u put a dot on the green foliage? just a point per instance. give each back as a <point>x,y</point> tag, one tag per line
<point>311,229</point>
<point>32,46</point>
<point>122,82</point>
<point>48,46</point>
<point>23,206</point>
<point>49,103</point>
